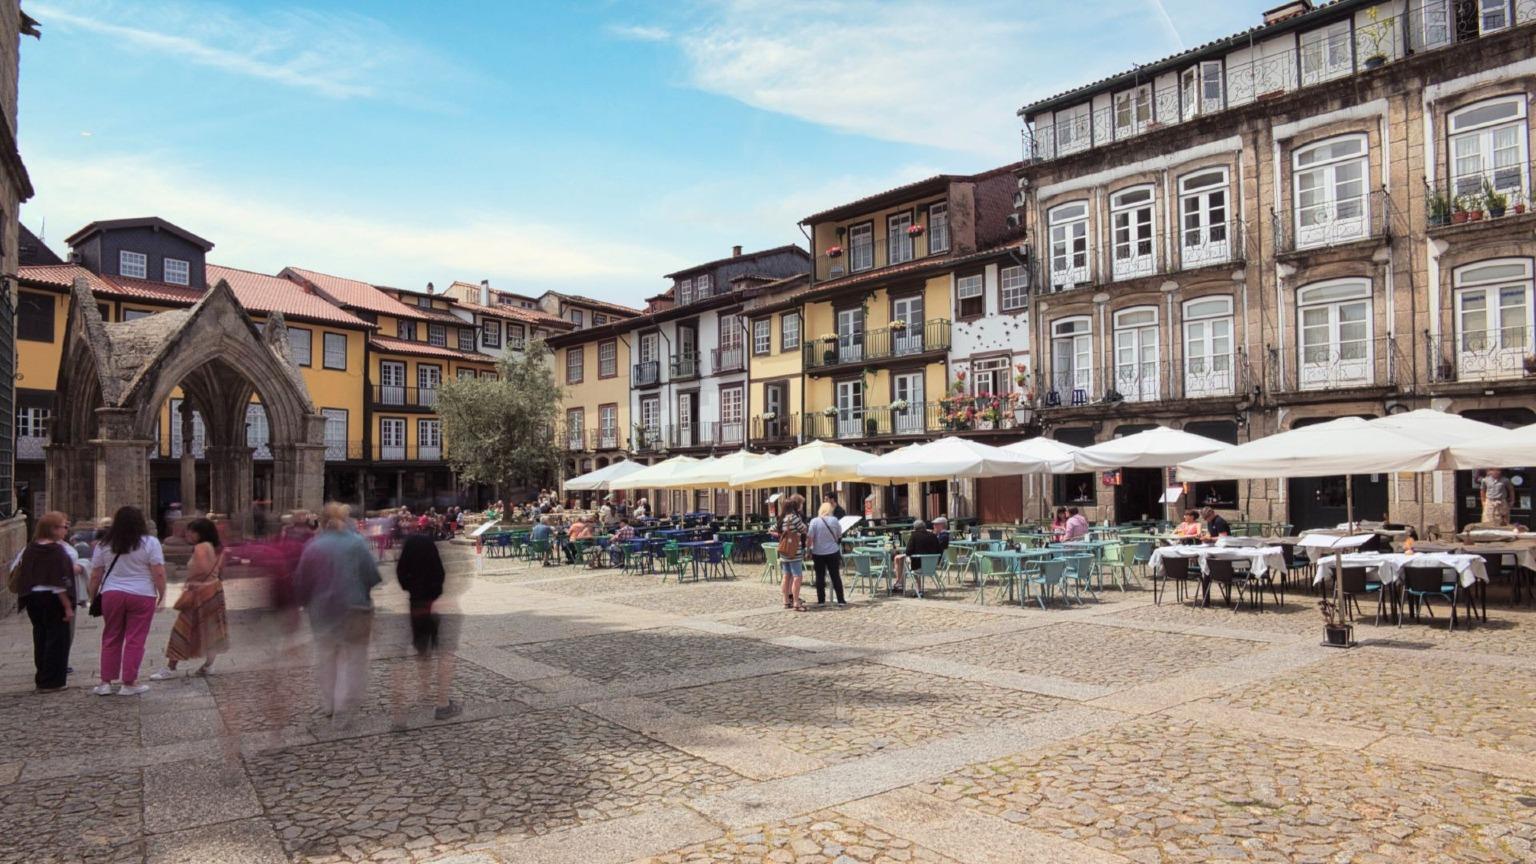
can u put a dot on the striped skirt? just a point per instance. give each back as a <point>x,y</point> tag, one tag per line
<point>202,629</point>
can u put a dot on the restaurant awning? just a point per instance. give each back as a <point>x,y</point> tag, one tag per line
<point>1348,445</point>
<point>1061,456</point>
<point>1515,448</point>
<point>654,476</point>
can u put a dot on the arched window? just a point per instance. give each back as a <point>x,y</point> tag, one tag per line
<point>1069,245</point>
<point>1136,355</point>
<point>1204,236</point>
<point>1493,318</point>
<point>1488,146</point>
<point>1208,347</point>
<point>1072,357</point>
<point>1334,332</point>
<point>1133,224</point>
<point>1332,205</point>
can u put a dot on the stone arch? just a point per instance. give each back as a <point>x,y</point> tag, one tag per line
<point>116,376</point>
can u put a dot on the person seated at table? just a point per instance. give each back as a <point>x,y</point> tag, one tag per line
<point>1059,525</point>
<point>922,542</point>
<point>642,509</point>
<point>1215,525</point>
<point>543,529</point>
<point>618,543</point>
<point>580,530</point>
<point>1190,529</point>
<point>941,530</point>
<point>1077,525</point>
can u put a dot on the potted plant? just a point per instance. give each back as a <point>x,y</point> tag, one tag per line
<point>770,415</point>
<point>1439,209</point>
<point>1519,205</point>
<point>899,405</point>
<point>1375,61</point>
<point>1459,212</point>
<point>1020,374</point>
<point>898,326</point>
<point>1530,364</point>
<point>1497,201</point>
<point>834,251</point>
<point>915,230</point>
<point>1474,207</point>
<point>829,411</point>
<point>871,427</point>
<point>1339,633</point>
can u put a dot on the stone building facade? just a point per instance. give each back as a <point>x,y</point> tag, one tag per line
<point>15,187</point>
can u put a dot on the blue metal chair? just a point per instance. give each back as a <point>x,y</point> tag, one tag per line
<point>1049,577</point>
<point>1079,574</point>
<point>926,567</point>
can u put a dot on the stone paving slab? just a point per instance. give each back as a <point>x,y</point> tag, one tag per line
<point>180,795</point>
<point>710,598</point>
<point>1299,616</point>
<point>824,837</point>
<point>639,653</point>
<point>869,624</point>
<point>85,818</point>
<point>748,755</point>
<point>247,841</point>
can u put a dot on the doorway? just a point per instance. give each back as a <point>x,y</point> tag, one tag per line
<point>1139,494</point>
<point>1318,502</point>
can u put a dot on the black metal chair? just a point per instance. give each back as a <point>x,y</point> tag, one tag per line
<point>1222,572</point>
<point>1175,570</point>
<point>1421,584</point>
<point>1357,582</point>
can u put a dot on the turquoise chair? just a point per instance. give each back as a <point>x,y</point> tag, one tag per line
<point>1049,578</point>
<point>925,568</point>
<point>1079,575</point>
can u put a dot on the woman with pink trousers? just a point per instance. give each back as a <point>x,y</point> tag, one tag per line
<point>128,572</point>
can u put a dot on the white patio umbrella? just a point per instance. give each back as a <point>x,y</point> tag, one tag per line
<point>1062,457</point>
<point>1155,448</point>
<point>717,472</point>
<point>1508,448</point>
<point>654,476</point>
<point>946,458</point>
<point>1441,429</point>
<point>810,464</point>
<point>599,479</point>
<point>1348,445</point>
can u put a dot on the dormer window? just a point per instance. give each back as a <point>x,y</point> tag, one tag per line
<point>134,265</point>
<point>1202,89</point>
<point>1325,53</point>
<point>1133,111</point>
<point>178,272</point>
<point>701,287</point>
<point>684,292</point>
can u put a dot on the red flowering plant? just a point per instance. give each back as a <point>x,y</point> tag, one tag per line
<point>834,251</point>
<point>914,230</point>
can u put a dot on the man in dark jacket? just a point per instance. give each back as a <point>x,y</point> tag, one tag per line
<point>421,575</point>
<point>921,542</point>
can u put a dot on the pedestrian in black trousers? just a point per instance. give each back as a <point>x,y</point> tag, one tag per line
<point>826,539</point>
<point>46,588</point>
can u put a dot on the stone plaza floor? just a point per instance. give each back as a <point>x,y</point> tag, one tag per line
<point>612,719</point>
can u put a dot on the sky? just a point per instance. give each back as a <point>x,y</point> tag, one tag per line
<point>580,147</point>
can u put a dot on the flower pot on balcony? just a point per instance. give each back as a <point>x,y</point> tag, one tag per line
<point>1375,61</point>
<point>1496,212</point>
<point>1460,216</point>
<point>834,251</point>
<point>1519,208</point>
<point>829,356</point>
<point>914,231</point>
<point>1475,216</point>
<point>984,423</point>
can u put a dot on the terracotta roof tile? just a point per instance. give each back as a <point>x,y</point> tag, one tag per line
<point>259,292</point>
<point>422,349</point>
<point>359,295</point>
<point>517,313</point>
<point>600,304</point>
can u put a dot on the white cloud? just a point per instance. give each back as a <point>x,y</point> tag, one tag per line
<point>265,230</point>
<point>335,55</point>
<point>640,33</point>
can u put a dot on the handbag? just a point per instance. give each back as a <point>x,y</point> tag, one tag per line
<point>95,610</point>
<point>197,593</point>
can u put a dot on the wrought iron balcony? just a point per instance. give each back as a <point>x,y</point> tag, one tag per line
<point>1337,364</point>
<point>407,453</point>
<point>775,429</point>
<point>881,421</point>
<point>1205,377</point>
<point>1135,254</point>
<point>1482,356</point>
<point>685,367</point>
<point>647,374</point>
<point>389,396</point>
<point>878,345</point>
<point>1485,195</point>
<point>1328,220</point>
<point>733,359</point>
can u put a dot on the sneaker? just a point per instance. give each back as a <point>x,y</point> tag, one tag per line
<point>102,689</point>
<point>447,712</point>
<point>204,670</point>
<point>166,673</point>
<point>132,689</point>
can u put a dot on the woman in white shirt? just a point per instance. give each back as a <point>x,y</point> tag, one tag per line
<point>128,571</point>
<point>826,539</point>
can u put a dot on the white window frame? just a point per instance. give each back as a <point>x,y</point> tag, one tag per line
<point>1327,53</point>
<point>437,335</point>
<point>684,292</point>
<point>899,245</point>
<point>392,382</point>
<point>762,336</point>
<point>785,329</point>
<point>1072,129</point>
<point>910,308</point>
<point>575,364</point>
<point>391,437</point>
<point>609,363</point>
<point>1071,258</point>
<point>1213,86</point>
<point>1075,334</point>
<point>1133,232</point>
<point>938,228</point>
<point>989,376</point>
<point>1338,362</point>
<point>490,332</point>
<point>1132,111</point>
<point>1208,347</point>
<point>1137,349</point>
<point>181,274</point>
<point>1332,218</point>
<point>1483,136</point>
<point>850,398</point>
<point>134,265</point>
<point>1206,238</point>
<point>337,421</point>
<point>1013,288</point>
<point>1493,16</point>
<point>517,336</point>
<point>702,286</point>
<point>429,439</point>
<point>850,335</point>
<point>733,417</point>
<point>608,426</point>
<point>861,247</point>
<point>429,376</point>
<point>1499,349</point>
<point>971,286</point>
<point>258,432</point>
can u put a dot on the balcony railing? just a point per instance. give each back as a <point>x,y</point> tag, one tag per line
<point>647,373</point>
<point>1480,196</point>
<point>30,446</point>
<point>884,343</point>
<point>407,453</point>
<point>1203,377</point>
<point>685,366</point>
<point>603,438</point>
<point>1429,25</point>
<point>390,396</point>
<point>1481,355</point>
<point>1340,364</point>
<point>648,439</point>
<point>920,418</point>
<point>707,433</point>
<point>778,429</point>
<point>1330,220</point>
<point>732,359</point>
<point>1133,255</point>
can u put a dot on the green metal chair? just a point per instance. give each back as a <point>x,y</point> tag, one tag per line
<point>926,568</point>
<point>771,573</point>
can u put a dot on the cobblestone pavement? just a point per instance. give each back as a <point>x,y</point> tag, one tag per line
<point>851,710</point>
<point>817,838</point>
<point>1095,654</point>
<point>946,731</point>
<point>1160,791</point>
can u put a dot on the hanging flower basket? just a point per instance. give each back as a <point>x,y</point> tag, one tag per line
<point>914,230</point>
<point>834,251</point>
<point>899,405</point>
<point>769,415</point>
<point>829,411</point>
<point>898,325</point>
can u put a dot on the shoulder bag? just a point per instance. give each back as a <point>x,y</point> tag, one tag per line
<point>95,609</point>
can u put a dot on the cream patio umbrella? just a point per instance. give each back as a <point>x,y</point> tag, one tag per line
<point>1507,448</point>
<point>716,473</point>
<point>1062,457</point>
<point>598,480</point>
<point>948,458</point>
<point>1440,428</point>
<point>1155,448</point>
<point>654,476</point>
<point>811,464</point>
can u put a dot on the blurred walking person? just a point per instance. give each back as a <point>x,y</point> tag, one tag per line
<point>422,577</point>
<point>127,585</point>
<point>334,583</point>
<point>202,627</point>
<point>44,582</point>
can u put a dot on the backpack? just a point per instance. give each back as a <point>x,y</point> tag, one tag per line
<point>789,543</point>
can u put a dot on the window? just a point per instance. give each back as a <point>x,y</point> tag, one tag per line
<point>1493,319</point>
<point>177,272</point>
<point>199,434</point>
<point>1203,235</point>
<point>515,337</point>
<point>1133,111</point>
<point>861,247</point>
<point>133,264</point>
<point>424,302</point>
<point>428,376</point>
<point>490,333</point>
<point>789,331</point>
<point>437,335</point>
<point>1331,203</point>
<point>1014,282</point>
<point>392,438</point>
<point>1212,86</point>
<point>487,375</point>
<point>971,297</point>
<point>762,336</point>
<point>909,339</point>
<point>599,319</point>
<point>701,286</point>
<point>1221,494</point>
<point>466,338</point>
<point>938,228</point>
<point>1492,15</point>
<point>258,433</point>
<point>989,376</point>
<point>335,345</point>
<point>136,314</point>
<point>908,387</point>
<point>1208,347</point>
<point>733,427</point>
<point>684,292</point>
<point>898,242</point>
<point>32,423</point>
<point>1130,215</point>
<point>1136,372</point>
<point>850,335</point>
<point>429,439</point>
<point>607,427</point>
<point>1325,53</point>
<point>650,422</point>
<point>335,432</point>
<point>407,330</point>
<point>1072,126</point>
<point>1069,245</point>
<point>578,318</point>
<point>1488,146</point>
<point>1072,360</point>
<point>1334,329</point>
<point>850,408</point>
<point>391,382</point>
<point>300,341</point>
<point>608,359</point>
<point>465,374</point>
<point>34,316</point>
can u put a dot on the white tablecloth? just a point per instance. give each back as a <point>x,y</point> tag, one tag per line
<point>1389,566</point>
<point>1482,534</point>
<point>1260,559</point>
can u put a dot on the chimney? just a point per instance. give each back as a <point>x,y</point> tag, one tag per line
<point>485,292</point>
<point>429,287</point>
<point>735,251</point>
<point>1287,10</point>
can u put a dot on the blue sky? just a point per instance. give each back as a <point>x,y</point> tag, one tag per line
<point>586,147</point>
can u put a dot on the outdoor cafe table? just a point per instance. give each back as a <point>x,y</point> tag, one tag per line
<point>1261,559</point>
<point>1013,562</point>
<point>1471,569</point>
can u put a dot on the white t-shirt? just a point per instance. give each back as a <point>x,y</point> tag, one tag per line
<point>131,575</point>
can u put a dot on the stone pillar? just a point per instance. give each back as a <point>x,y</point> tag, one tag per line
<point>71,479</point>
<point>298,470</point>
<point>230,470</point>
<point>189,465</point>
<point>122,464</point>
<point>362,491</point>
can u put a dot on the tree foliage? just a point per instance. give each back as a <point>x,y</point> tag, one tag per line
<point>503,430</point>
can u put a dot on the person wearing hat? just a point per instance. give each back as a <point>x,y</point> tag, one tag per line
<point>941,530</point>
